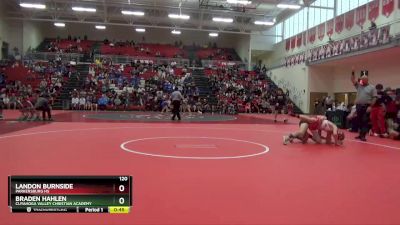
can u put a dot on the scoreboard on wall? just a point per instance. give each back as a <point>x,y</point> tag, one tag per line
<point>70,194</point>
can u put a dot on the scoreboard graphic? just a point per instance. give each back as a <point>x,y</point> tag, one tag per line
<point>70,194</point>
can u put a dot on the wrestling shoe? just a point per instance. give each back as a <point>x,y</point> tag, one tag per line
<point>286,140</point>
<point>384,135</point>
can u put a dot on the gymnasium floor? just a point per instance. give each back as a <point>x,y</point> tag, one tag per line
<point>229,170</point>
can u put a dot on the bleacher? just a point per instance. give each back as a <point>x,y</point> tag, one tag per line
<point>143,50</point>
<point>66,46</point>
<point>32,75</point>
<point>149,52</point>
<point>218,54</point>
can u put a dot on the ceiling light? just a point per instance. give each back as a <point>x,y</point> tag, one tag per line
<point>176,32</point>
<point>141,30</point>
<point>83,9</point>
<point>100,27</point>
<point>223,20</point>
<point>32,5</point>
<point>213,34</point>
<point>179,16</point>
<point>266,23</point>
<point>288,6</point>
<point>242,2</point>
<point>134,13</point>
<point>59,24</point>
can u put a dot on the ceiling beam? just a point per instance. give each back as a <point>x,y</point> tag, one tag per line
<point>129,25</point>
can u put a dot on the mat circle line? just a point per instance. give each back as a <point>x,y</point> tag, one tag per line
<point>123,147</point>
<point>164,127</point>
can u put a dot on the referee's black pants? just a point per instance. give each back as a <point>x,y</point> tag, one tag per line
<point>176,109</point>
<point>362,119</point>
<point>45,110</point>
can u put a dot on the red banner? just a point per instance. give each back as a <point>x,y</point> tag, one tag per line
<point>287,44</point>
<point>349,20</point>
<point>387,7</point>
<point>299,40</point>
<point>292,42</point>
<point>329,27</point>
<point>339,24</point>
<point>311,35</point>
<point>321,31</point>
<point>361,15</point>
<point>373,10</point>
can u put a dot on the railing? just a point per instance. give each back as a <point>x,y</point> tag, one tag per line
<point>156,60</point>
<point>217,63</point>
<point>351,44</point>
<point>67,57</point>
<point>363,41</point>
<point>49,56</point>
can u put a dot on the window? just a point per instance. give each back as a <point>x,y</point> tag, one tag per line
<point>278,33</point>
<point>295,24</point>
<point>344,6</point>
<point>325,3</point>
<point>324,12</point>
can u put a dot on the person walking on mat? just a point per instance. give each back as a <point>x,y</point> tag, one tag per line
<point>176,98</point>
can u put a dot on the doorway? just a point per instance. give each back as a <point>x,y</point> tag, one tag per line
<point>317,96</point>
<point>4,50</point>
<point>347,97</point>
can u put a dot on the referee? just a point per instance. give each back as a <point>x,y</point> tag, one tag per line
<point>42,104</point>
<point>366,97</point>
<point>176,98</point>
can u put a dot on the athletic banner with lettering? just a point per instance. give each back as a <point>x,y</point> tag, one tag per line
<point>311,35</point>
<point>373,10</point>
<point>293,42</point>
<point>287,44</point>
<point>329,27</point>
<point>339,24</point>
<point>299,40</point>
<point>349,20</point>
<point>387,7</point>
<point>361,15</point>
<point>321,31</point>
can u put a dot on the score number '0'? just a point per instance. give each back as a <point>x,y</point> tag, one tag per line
<point>121,188</point>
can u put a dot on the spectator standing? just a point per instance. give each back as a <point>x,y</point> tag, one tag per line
<point>378,110</point>
<point>328,103</point>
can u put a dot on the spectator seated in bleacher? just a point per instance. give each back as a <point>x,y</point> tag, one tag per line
<point>33,78</point>
<point>102,102</point>
<point>239,91</point>
<point>134,86</point>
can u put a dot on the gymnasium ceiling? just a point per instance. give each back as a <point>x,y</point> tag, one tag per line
<point>108,12</point>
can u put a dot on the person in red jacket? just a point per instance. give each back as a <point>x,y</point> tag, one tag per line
<point>378,110</point>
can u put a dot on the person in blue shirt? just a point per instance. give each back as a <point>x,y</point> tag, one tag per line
<point>120,81</point>
<point>102,102</point>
